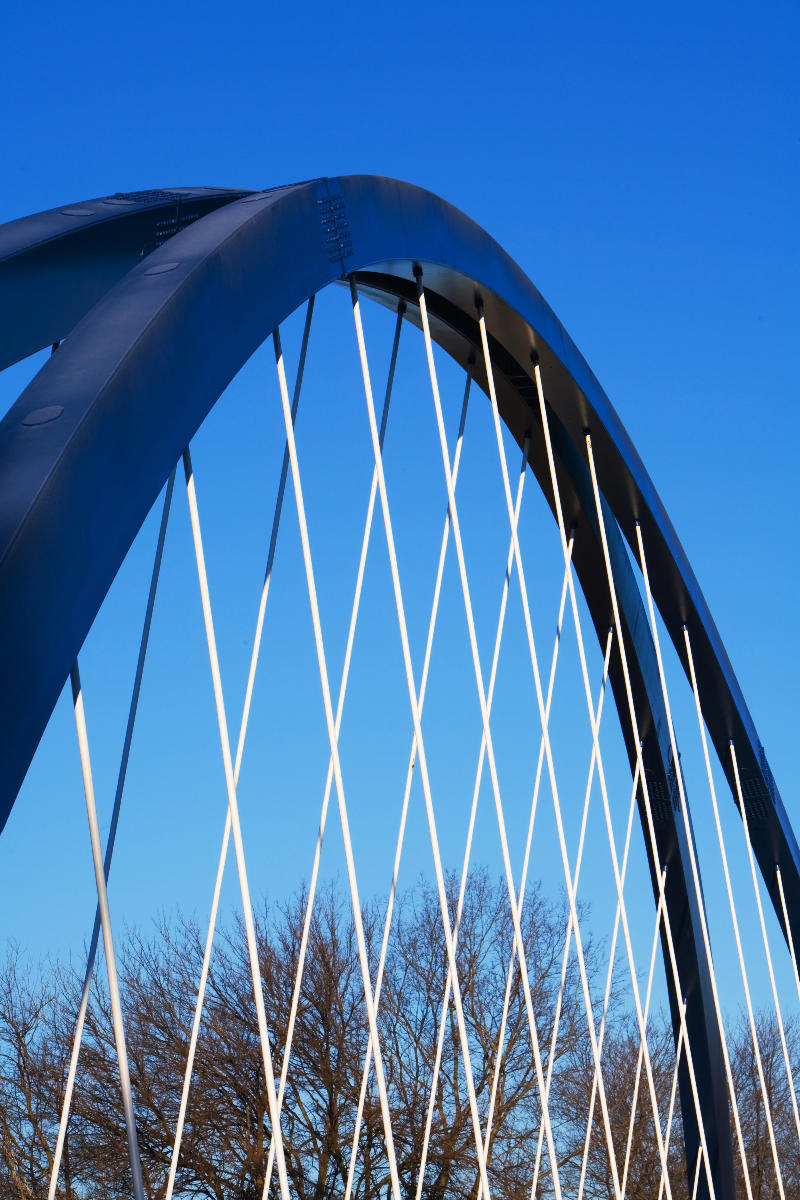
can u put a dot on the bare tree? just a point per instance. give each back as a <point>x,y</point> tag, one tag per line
<point>632,1124</point>
<point>31,1064</point>
<point>226,1139</point>
<point>416,973</point>
<point>752,1109</point>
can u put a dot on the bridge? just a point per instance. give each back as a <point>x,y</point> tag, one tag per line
<point>500,492</point>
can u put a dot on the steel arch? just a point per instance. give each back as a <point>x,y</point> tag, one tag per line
<point>109,415</point>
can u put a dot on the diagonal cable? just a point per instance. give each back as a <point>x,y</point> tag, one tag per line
<point>112,836</point>
<point>108,939</point>
<point>223,856</point>
<point>414,703</point>
<point>576,877</point>
<point>247,908</point>
<point>407,789</point>
<point>765,939</point>
<point>637,1079</point>
<point>339,710</point>
<point>734,919</point>
<point>329,720</point>
<point>470,833</point>
<point>601,774</point>
<point>612,954</point>
<point>656,858</point>
<point>490,756</point>
<point>788,928</point>
<point>606,807</point>
<point>673,1092</point>
<point>526,862</point>
<point>549,756</point>
<point>693,859</point>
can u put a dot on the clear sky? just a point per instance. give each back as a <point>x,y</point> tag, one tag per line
<point>641,163</point>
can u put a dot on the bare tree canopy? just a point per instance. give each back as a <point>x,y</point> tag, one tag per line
<point>227,1135</point>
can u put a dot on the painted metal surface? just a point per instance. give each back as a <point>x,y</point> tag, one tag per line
<point>55,265</point>
<point>88,446</point>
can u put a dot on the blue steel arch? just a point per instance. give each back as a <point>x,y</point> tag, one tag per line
<point>89,444</point>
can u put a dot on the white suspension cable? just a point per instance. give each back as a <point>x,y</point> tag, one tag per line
<point>788,929</point>
<point>223,855</point>
<point>762,922</point>
<point>112,836</point>
<point>339,710</point>
<point>656,858</point>
<point>490,756</point>
<point>273,542</point>
<point>549,756</point>
<point>329,719</point>
<point>501,1035</point>
<point>640,1056</point>
<point>108,940</point>
<point>697,1172</point>
<point>576,877</point>
<point>609,977</point>
<point>693,859</point>
<point>673,1093</point>
<point>606,806</point>
<point>443,1020</point>
<point>406,796</point>
<point>729,889</point>
<point>414,703</point>
<point>247,908</point>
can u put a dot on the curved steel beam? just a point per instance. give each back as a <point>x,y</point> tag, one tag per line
<point>55,265</point>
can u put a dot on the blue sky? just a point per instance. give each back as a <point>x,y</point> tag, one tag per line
<point>642,164</point>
